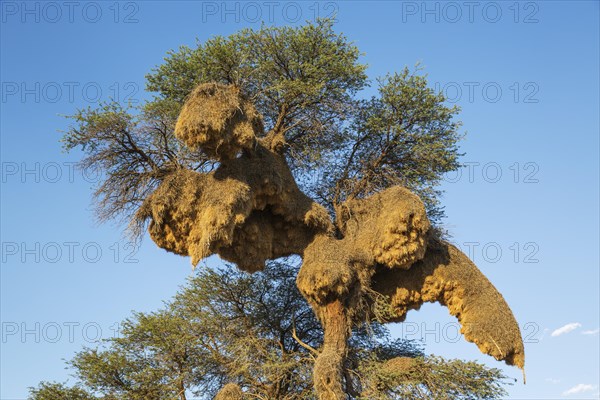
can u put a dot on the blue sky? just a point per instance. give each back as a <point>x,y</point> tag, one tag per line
<point>525,207</point>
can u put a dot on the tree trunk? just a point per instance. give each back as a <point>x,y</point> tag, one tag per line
<point>329,366</point>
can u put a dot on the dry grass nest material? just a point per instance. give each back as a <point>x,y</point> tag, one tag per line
<point>387,250</point>
<point>219,120</point>
<point>447,276</point>
<point>389,228</point>
<point>231,391</point>
<point>248,210</point>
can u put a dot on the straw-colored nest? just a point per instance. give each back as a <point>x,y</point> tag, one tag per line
<point>217,119</point>
<point>231,391</point>
<point>392,225</point>
<point>399,365</point>
<point>194,214</point>
<point>248,210</point>
<point>264,236</point>
<point>389,228</point>
<point>447,276</point>
<point>387,248</point>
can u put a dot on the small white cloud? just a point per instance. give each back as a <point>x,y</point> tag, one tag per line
<point>577,389</point>
<point>553,381</point>
<point>565,329</point>
<point>591,332</point>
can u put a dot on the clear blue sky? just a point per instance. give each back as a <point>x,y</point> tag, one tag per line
<point>526,208</point>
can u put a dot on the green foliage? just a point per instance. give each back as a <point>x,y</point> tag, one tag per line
<point>306,82</point>
<point>58,391</point>
<point>156,357</point>
<point>302,80</point>
<point>431,378</point>
<point>405,136</point>
<point>246,325</point>
<point>134,149</point>
<point>257,331</point>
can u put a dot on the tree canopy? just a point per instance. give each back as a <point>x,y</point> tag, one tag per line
<point>307,83</point>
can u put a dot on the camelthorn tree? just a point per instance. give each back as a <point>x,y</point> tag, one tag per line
<point>258,146</point>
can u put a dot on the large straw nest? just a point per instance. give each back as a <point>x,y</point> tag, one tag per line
<point>272,184</point>
<point>231,391</point>
<point>194,214</point>
<point>219,120</point>
<point>264,236</point>
<point>390,228</point>
<point>248,210</point>
<point>392,225</point>
<point>447,276</point>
